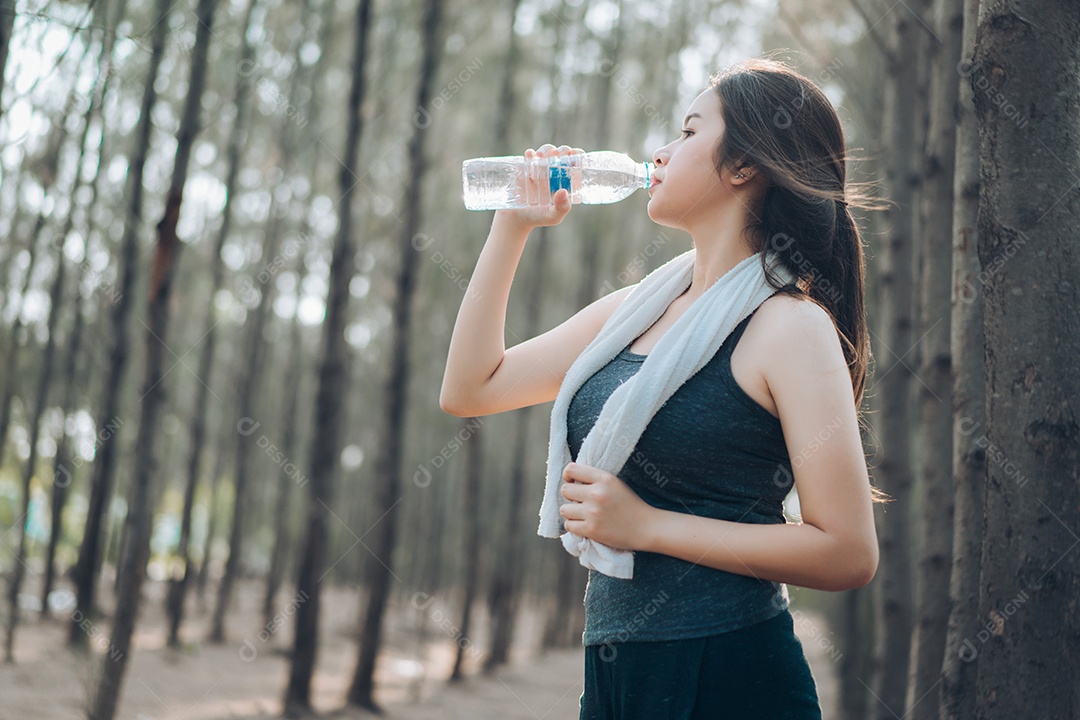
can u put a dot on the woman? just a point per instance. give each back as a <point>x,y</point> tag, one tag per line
<point>702,630</point>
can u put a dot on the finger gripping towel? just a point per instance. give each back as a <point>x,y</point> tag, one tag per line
<point>681,351</point>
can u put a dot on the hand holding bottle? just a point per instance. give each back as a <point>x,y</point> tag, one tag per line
<point>535,183</point>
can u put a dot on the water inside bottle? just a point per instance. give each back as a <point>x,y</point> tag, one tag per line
<point>592,179</point>
<point>491,182</point>
<point>606,182</point>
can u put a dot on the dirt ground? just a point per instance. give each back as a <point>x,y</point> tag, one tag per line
<point>245,677</point>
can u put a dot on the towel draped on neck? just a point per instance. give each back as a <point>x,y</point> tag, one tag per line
<point>681,352</point>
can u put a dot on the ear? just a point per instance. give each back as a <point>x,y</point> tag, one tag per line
<point>742,173</point>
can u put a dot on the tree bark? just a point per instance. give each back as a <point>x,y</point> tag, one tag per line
<point>220,460</point>
<point>283,537</point>
<point>1026,80</point>
<point>18,333</point>
<point>108,420</point>
<point>506,591</point>
<point>852,615</point>
<point>893,375</point>
<point>250,379</point>
<point>935,492</point>
<point>140,506</point>
<point>63,475</point>
<point>7,23</point>
<point>178,582</point>
<point>474,469</point>
<point>959,672</point>
<point>40,398</point>
<point>48,170</point>
<point>389,465</point>
<point>329,405</point>
<point>502,606</point>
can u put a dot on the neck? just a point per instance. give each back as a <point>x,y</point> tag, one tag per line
<point>720,246</point>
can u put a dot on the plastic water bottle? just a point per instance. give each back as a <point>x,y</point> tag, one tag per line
<point>593,178</point>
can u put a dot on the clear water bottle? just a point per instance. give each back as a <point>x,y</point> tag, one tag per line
<point>593,178</point>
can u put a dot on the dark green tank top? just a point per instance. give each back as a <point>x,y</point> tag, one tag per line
<point>710,450</point>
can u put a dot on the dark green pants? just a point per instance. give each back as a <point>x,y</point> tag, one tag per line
<point>755,673</point>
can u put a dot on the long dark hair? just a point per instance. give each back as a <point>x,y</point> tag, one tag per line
<point>780,122</point>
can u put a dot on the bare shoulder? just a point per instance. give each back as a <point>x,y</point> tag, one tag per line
<point>794,338</point>
<point>789,320</point>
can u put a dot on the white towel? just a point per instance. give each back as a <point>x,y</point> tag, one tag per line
<point>681,351</point>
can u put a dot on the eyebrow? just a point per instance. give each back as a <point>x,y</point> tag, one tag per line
<point>691,115</point>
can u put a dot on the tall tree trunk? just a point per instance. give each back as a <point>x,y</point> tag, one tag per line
<point>1026,83</point>
<point>220,460</point>
<point>290,445</point>
<point>852,615</point>
<point>290,410</point>
<point>389,464</point>
<point>105,452</point>
<point>600,227</point>
<point>47,169</point>
<point>178,583</point>
<point>506,590</point>
<point>13,225</point>
<point>63,475</point>
<point>250,379</point>
<point>7,23</point>
<point>18,334</point>
<point>959,672</point>
<point>935,520</point>
<point>16,338</point>
<point>40,398</point>
<point>329,401</point>
<point>474,469</point>
<point>140,506</point>
<point>893,374</point>
<point>502,604</point>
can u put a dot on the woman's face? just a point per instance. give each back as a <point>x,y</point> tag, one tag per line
<point>689,187</point>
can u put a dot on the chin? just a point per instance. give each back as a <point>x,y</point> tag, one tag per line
<point>654,212</point>
<point>658,216</point>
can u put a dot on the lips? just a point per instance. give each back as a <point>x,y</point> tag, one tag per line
<point>655,181</point>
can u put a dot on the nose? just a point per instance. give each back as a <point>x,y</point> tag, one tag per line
<point>660,156</point>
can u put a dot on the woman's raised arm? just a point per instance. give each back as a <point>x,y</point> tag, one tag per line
<point>482,377</point>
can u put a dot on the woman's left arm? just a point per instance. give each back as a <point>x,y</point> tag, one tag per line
<point>834,547</point>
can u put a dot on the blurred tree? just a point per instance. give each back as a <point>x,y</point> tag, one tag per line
<point>108,416</point>
<point>48,166</point>
<point>132,570</point>
<point>260,289</point>
<point>63,472</point>
<point>296,362</point>
<point>325,452</point>
<point>474,469</point>
<point>503,599</point>
<point>893,375</point>
<point>959,673</point>
<point>7,22</point>
<point>178,583</point>
<point>935,489</point>
<point>388,469</point>
<point>36,411</point>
